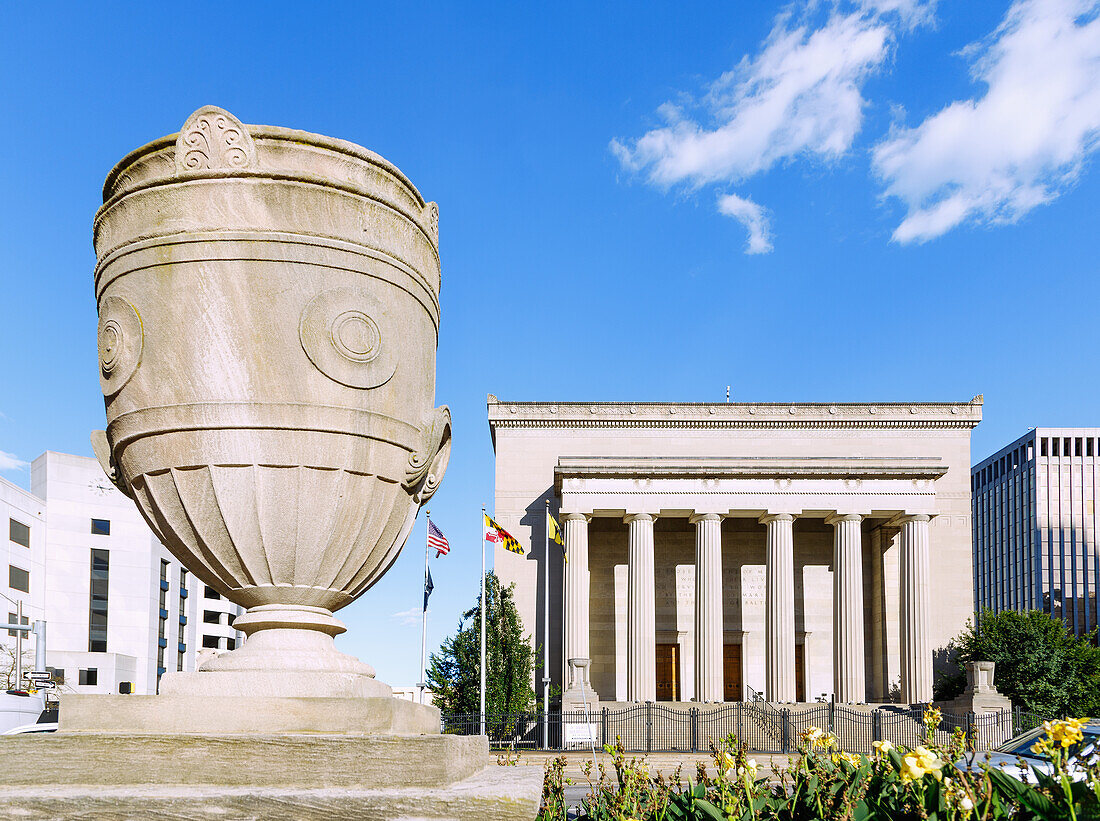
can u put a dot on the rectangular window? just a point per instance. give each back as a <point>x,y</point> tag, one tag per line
<point>210,642</point>
<point>211,593</point>
<point>179,661</point>
<point>13,618</point>
<point>97,610</point>
<point>1066,446</point>
<point>101,527</point>
<point>1043,448</point>
<point>211,617</point>
<point>1077,447</point>
<point>230,644</point>
<point>1088,446</point>
<point>57,675</point>
<point>19,533</point>
<point>19,579</point>
<point>183,579</point>
<point>89,677</point>
<point>163,570</point>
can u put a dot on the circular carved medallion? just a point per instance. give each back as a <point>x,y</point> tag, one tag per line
<point>345,333</point>
<point>121,340</point>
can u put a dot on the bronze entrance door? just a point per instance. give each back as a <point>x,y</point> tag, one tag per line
<point>800,672</point>
<point>731,672</point>
<point>668,672</point>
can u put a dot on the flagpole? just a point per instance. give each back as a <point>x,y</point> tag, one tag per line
<point>424,629</point>
<point>483,604</point>
<point>546,636</point>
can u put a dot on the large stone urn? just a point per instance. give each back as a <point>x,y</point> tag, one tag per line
<point>268,318</point>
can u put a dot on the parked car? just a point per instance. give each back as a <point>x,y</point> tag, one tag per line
<point>1008,755</point>
<point>40,727</point>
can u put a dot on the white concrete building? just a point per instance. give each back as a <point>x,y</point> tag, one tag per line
<point>1035,525</point>
<point>718,550</point>
<point>22,519</point>
<point>120,609</point>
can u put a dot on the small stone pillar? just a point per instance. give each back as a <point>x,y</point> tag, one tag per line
<point>980,696</point>
<point>579,692</point>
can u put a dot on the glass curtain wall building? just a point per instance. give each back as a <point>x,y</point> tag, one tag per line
<point>1035,524</point>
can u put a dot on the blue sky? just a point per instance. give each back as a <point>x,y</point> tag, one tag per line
<point>877,200</point>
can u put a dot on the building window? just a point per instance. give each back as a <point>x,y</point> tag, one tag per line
<point>19,533</point>
<point>211,593</point>
<point>179,660</point>
<point>57,674</point>
<point>230,644</point>
<point>164,570</point>
<point>1043,447</point>
<point>13,618</point>
<point>19,579</point>
<point>210,642</point>
<point>211,617</point>
<point>101,527</point>
<point>97,611</point>
<point>89,677</point>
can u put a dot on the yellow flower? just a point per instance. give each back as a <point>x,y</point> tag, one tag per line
<point>749,769</point>
<point>848,758</point>
<point>919,763</point>
<point>882,747</point>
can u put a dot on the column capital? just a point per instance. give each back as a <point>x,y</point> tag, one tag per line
<point>905,518</point>
<point>768,518</point>
<point>638,517</point>
<point>695,518</point>
<point>836,518</point>
<point>576,517</point>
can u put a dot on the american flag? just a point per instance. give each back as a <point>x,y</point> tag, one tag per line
<point>437,540</point>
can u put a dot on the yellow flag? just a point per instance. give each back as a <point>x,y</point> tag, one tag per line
<point>553,530</point>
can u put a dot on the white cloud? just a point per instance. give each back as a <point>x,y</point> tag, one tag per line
<point>799,97</point>
<point>993,158</point>
<point>752,216</point>
<point>9,461</point>
<point>413,615</point>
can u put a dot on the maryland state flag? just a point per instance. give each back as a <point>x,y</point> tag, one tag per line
<point>498,535</point>
<point>553,533</point>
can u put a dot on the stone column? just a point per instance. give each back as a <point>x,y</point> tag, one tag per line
<point>641,630</point>
<point>708,607</point>
<point>849,664</point>
<point>576,593</point>
<point>916,648</point>
<point>779,676</point>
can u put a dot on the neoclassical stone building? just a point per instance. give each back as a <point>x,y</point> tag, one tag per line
<point>716,551</point>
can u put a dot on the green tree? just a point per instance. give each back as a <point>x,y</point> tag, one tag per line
<point>1041,666</point>
<point>454,673</point>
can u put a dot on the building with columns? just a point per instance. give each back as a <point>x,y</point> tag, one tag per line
<point>717,551</point>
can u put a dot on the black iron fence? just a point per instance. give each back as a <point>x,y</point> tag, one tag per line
<point>653,727</point>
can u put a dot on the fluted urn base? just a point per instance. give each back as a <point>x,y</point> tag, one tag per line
<point>289,652</point>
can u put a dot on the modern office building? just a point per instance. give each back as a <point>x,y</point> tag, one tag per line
<point>716,551</point>
<point>120,610</point>
<point>1035,525</point>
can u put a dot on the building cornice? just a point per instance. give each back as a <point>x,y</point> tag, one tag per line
<point>581,415</point>
<point>723,467</point>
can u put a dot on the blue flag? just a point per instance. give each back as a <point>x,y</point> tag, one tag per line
<point>428,588</point>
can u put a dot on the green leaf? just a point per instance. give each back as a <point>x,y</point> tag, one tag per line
<point>709,810</point>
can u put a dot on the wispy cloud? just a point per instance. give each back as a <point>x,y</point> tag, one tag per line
<point>408,617</point>
<point>752,216</point>
<point>9,461</point>
<point>994,158</point>
<point>801,96</point>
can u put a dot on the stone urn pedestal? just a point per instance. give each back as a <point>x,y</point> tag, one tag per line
<point>268,317</point>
